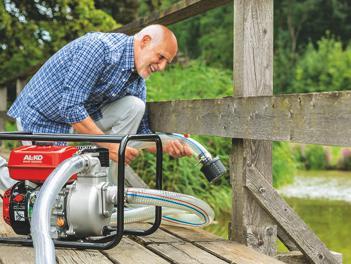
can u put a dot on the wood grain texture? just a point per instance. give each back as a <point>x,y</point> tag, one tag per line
<point>70,256</point>
<point>314,118</point>
<point>184,253</point>
<point>253,76</point>
<point>16,254</point>
<point>130,252</point>
<point>3,98</point>
<point>304,238</point>
<point>296,257</point>
<point>20,83</point>
<point>234,252</point>
<point>191,234</point>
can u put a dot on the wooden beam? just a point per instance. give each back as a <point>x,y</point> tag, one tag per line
<point>253,76</point>
<point>296,257</point>
<point>315,118</point>
<point>180,11</point>
<point>304,238</point>
<point>20,83</point>
<point>3,99</point>
<point>3,106</point>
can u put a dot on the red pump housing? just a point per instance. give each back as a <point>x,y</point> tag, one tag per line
<point>35,163</point>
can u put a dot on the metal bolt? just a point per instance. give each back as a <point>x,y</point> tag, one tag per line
<point>269,231</point>
<point>260,242</point>
<point>320,256</point>
<point>262,190</point>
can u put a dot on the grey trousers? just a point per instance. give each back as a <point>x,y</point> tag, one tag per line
<point>120,117</point>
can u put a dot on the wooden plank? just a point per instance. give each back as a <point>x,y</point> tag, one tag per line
<point>234,252</point>
<point>181,10</point>
<point>20,83</point>
<point>285,217</point>
<point>130,252</point>
<point>3,106</point>
<point>3,98</point>
<point>314,118</point>
<point>160,236</point>
<point>284,238</point>
<point>296,257</point>
<point>229,251</point>
<point>16,254</point>
<point>253,76</point>
<point>191,234</point>
<point>69,256</point>
<point>184,253</point>
<point>13,254</point>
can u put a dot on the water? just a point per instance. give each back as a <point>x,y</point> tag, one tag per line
<point>323,200</point>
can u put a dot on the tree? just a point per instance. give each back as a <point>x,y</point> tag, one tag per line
<point>32,30</point>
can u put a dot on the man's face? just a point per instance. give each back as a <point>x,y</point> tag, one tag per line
<point>154,57</point>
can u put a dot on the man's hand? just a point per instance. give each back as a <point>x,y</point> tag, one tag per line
<point>130,154</point>
<point>87,126</point>
<point>177,149</point>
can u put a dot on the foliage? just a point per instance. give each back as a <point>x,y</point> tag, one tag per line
<point>284,165</point>
<point>190,82</point>
<point>345,161</point>
<point>315,157</point>
<point>324,68</point>
<point>31,31</point>
<point>123,11</point>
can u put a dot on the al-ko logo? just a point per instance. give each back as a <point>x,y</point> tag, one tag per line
<point>33,157</point>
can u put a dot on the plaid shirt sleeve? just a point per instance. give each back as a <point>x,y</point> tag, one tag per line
<point>144,127</point>
<point>83,72</point>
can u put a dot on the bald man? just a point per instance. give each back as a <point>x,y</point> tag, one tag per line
<point>96,85</point>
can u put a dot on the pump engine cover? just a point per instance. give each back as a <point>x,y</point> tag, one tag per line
<point>35,163</point>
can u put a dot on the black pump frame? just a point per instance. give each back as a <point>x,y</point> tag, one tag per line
<point>113,240</point>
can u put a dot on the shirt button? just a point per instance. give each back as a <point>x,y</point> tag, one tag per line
<point>122,69</point>
<point>124,79</point>
<point>113,94</point>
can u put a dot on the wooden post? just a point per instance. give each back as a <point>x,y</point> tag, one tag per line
<point>20,83</point>
<point>3,106</point>
<point>253,76</point>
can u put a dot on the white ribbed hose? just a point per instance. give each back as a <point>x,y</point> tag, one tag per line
<point>177,209</point>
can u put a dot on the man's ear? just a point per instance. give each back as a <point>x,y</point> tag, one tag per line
<point>145,41</point>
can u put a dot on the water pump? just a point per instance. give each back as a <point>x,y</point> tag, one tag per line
<point>62,195</point>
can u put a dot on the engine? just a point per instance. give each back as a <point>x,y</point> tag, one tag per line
<point>31,165</point>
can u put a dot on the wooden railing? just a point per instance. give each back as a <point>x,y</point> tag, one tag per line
<point>253,118</point>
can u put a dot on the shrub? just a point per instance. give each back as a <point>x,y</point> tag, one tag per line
<point>284,165</point>
<point>315,157</point>
<point>326,67</point>
<point>345,161</point>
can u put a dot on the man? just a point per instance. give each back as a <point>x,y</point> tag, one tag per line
<point>95,85</point>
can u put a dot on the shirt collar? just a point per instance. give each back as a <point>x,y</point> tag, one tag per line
<point>129,53</point>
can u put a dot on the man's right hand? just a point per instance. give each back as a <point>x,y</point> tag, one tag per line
<point>130,154</point>
<point>87,126</point>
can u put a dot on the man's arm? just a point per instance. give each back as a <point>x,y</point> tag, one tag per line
<point>88,126</point>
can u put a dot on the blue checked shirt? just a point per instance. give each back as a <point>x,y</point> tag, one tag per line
<point>78,81</point>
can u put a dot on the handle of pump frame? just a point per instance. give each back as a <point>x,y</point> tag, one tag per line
<point>123,140</point>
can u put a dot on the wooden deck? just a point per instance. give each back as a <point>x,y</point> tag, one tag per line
<point>167,245</point>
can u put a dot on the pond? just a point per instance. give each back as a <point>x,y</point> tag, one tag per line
<point>323,200</point>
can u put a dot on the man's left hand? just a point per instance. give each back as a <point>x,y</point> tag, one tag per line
<point>177,149</point>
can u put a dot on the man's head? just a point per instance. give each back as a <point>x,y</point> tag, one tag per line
<point>154,47</point>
